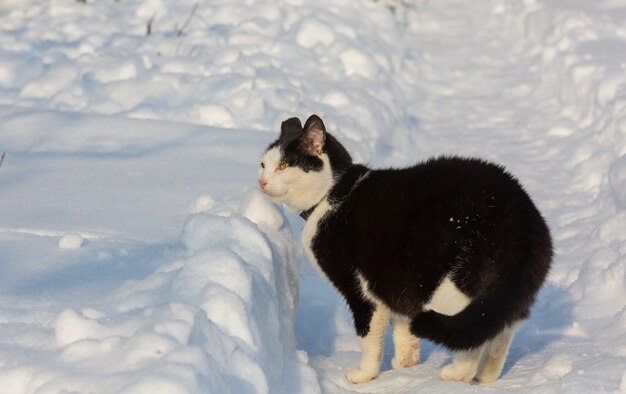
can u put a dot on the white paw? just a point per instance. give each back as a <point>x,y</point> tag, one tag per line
<point>488,376</point>
<point>358,376</point>
<point>450,372</point>
<point>407,358</point>
<point>403,362</point>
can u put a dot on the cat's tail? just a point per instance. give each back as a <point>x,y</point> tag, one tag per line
<point>484,318</point>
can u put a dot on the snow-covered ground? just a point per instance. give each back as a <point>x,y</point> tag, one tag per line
<point>136,255</point>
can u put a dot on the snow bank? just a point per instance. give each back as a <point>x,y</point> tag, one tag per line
<point>93,134</point>
<point>584,87</point>
<point>227,67</point>
<point>217,319</point>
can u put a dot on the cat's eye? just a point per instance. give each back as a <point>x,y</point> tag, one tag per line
<point>283,165</point>
<point>262,165</point>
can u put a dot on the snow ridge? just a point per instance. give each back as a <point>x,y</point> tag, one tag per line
<point>217,319</point>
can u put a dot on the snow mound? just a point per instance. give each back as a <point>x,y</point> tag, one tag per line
<point>313,32</point>
<point>17,69</point>
<point>617,181</point>
<point>202,204</point>
<point>257,208</point>
<point>219,318</point>
<point>71,242</point>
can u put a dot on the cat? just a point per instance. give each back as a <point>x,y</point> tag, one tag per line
<point>451,249</point>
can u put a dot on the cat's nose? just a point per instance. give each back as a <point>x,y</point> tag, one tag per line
<point>262,183</point>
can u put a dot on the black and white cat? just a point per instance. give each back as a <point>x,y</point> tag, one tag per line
<point>451,249</point>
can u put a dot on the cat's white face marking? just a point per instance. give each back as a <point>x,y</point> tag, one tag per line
<point>299,189</point>
<point>270,164</point>
<point>447,299</point>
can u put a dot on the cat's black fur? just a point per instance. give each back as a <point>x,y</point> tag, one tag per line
<point>404,230</point>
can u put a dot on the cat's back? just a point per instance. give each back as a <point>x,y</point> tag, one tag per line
<point>446,172</point>
<point>446,180</point>
<point>450,198</point>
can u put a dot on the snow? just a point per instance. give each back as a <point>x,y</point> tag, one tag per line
<point>71,242</point>
<point>136,255</point>
<point>617,181</point>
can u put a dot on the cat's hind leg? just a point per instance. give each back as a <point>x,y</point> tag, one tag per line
<point>371,347</point>
<point>407,346</point>
<point>464,365</point>
<point>495,355</point>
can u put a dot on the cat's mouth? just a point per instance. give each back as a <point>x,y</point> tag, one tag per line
<point>273,195</point>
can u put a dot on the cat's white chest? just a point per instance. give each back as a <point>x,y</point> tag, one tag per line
<point>310,231</point>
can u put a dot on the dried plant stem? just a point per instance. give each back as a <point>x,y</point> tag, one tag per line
<point>181,31</point>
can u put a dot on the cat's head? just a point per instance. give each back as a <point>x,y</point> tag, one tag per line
<point>300,167</point>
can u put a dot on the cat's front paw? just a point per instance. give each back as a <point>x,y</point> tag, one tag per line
<point>487,376</point>
<point>406,356</point>
<point>358,376</point>
<point>405,361</point>
<point>452,372</point>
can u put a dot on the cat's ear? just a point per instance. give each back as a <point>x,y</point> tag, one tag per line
<point>290,130</point>
<point>313,137</point>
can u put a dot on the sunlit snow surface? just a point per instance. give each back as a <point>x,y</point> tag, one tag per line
<point>137,257</point>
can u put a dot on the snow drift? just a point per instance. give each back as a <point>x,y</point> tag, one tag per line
<point>218,318</point>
